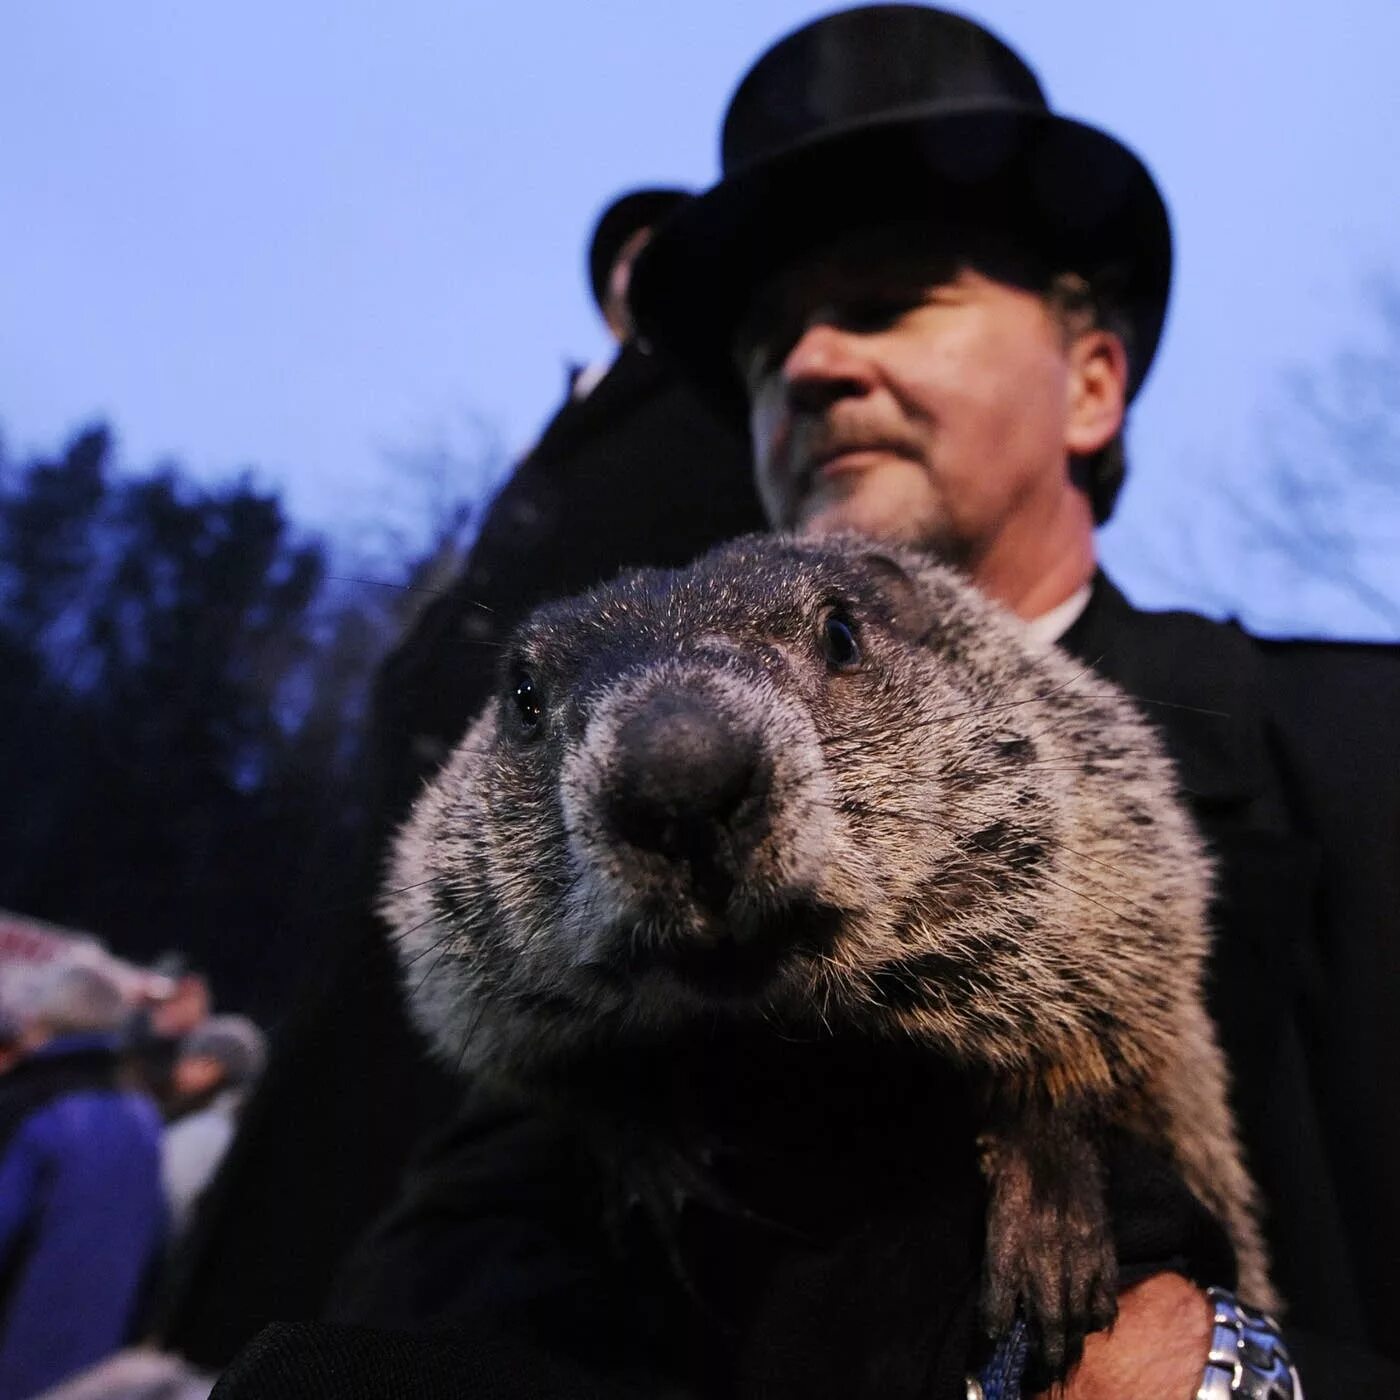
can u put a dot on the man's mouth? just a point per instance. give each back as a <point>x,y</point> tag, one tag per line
<point>851,459</point>
<point>847,459</point>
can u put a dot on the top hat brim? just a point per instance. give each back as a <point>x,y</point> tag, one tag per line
<point>1078,198</point>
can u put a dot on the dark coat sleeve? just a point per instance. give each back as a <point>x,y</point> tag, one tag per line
<point>1337,710</point>
<point>327,1361</point>
<point>493,1260</point>
<point>1289,754</point>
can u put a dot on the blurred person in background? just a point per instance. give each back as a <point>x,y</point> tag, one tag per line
<point>11,1040</point>
<point>82,1214</point>
<point>215,1070</point>
<point>167,1010</point>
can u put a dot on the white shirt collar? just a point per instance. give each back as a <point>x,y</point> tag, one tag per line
<point>1051,626</point>
<point>587,379</point>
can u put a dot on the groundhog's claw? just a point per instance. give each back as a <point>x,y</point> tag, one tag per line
<point>1049,1248</point>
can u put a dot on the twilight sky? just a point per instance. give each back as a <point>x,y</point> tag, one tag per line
<point>313,238</point>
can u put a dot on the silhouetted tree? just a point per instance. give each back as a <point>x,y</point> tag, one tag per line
<point>50,513</point>
<point>181,716</point>
<point>1320,525</point>
<point>1300,535</point>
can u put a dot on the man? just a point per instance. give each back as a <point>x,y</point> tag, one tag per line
<point>82,1220</point>
<point>938,299</point>
<point>933,298</point>
<point>171,1006</point>
<point>216,1067</point>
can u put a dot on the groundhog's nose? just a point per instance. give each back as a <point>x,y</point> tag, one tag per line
<point>685,778</point>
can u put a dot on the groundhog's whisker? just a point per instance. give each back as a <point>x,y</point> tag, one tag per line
<point>1015,704</point>
<point>1174,705</point>
<point>400,934</point>
<point>404,889</point>
<point>358,903</point>
<point>432,967</point>
<point>1106,907</point>
<point>437,943</point>
<point>469,1035</point>
<point>405,588</point>
<point>969,868</point>
<point>1062,850</point>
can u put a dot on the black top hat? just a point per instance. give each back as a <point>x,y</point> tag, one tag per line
<point>637,209</point>
<point>885,113</point>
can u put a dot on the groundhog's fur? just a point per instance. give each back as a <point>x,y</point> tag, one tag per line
<point>828,786</point>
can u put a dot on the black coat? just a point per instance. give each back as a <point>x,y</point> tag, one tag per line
<point>853,1277</point>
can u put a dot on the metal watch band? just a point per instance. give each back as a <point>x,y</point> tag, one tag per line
<point>1247,1358</point>
<point>1247,1355</point>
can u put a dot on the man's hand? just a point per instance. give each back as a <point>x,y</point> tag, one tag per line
<point>1156,1350</point>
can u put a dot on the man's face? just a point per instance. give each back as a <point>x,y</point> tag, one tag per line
<point>896,392</point>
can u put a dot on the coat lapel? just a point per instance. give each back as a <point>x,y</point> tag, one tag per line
<point>1197,680</point>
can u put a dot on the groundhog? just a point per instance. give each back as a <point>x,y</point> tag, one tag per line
<point>817,789</point>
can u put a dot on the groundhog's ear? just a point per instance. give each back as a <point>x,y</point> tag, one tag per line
<point>911,608</point>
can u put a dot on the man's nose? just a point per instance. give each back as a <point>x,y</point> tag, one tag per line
<point>825,363</point>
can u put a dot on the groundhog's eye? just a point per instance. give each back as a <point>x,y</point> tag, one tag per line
<point>838,642</point>
<point>528,702</point>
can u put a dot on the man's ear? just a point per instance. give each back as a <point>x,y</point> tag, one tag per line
<point>1097,389</point>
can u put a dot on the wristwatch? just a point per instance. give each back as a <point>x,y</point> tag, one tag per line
<point>1247,1355</point>
<point>1247,1358</point>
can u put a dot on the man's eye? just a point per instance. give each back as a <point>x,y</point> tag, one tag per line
<point>880,314</point>
<point>760,340</point>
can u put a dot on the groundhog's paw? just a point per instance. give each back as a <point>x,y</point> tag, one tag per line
<point>1070,1293</point>
<point>1050,1253</point>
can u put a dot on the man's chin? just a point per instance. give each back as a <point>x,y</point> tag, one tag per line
<point>874,520</point>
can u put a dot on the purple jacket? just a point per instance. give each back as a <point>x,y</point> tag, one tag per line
<point>82,1216</point>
